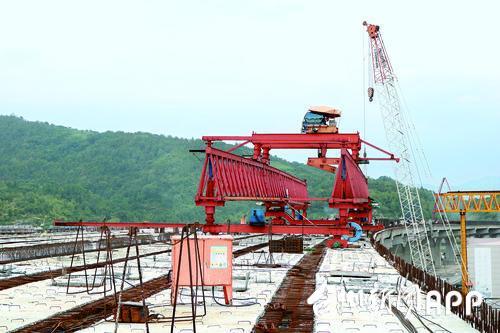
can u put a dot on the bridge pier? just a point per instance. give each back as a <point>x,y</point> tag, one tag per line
<point>405,252</point>
<point>436,251</point>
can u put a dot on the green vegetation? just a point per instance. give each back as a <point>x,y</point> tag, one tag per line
<point>49,172</point>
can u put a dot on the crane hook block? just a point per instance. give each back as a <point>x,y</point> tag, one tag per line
<point>371,91</point>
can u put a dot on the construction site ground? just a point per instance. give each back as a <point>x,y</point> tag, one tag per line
<point>257,276</point>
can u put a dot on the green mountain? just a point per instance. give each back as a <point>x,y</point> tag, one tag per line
<point>49,172</point>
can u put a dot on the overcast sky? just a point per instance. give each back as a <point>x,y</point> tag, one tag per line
<point>193,68</point>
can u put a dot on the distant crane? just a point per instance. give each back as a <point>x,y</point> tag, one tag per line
<point>398,133</point>
<point>463,202</point>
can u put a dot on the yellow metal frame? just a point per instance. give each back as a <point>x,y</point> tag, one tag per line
<point>464,202</point>
<point>472,202</point>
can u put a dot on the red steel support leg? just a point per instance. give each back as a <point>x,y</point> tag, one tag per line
<point>265,155</point>
<point>210,210</point>
<point>256,152</point>
<point>210,214</point>
<point>228,294</point>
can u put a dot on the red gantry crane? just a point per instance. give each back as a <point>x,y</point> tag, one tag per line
<point>226,176</point>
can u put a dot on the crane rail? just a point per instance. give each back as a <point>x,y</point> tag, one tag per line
<point>288,308</point>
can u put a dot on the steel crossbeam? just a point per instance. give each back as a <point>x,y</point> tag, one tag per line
<point>307,229</point>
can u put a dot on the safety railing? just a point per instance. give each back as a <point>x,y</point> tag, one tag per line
<point>484,318</point>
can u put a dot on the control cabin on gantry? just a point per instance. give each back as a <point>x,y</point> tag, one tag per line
<point>320,119</point>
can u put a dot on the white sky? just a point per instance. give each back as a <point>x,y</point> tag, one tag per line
<point>192,68</point>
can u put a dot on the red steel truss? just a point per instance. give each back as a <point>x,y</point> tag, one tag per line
<point>226,176</point>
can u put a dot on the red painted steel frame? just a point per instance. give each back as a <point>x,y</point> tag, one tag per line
<point>221,228</point>
<point>228,177</point>
<point>350,191</point>
<point>264,142</point>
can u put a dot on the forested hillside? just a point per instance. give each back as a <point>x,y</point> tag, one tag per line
<point>49,172</point>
